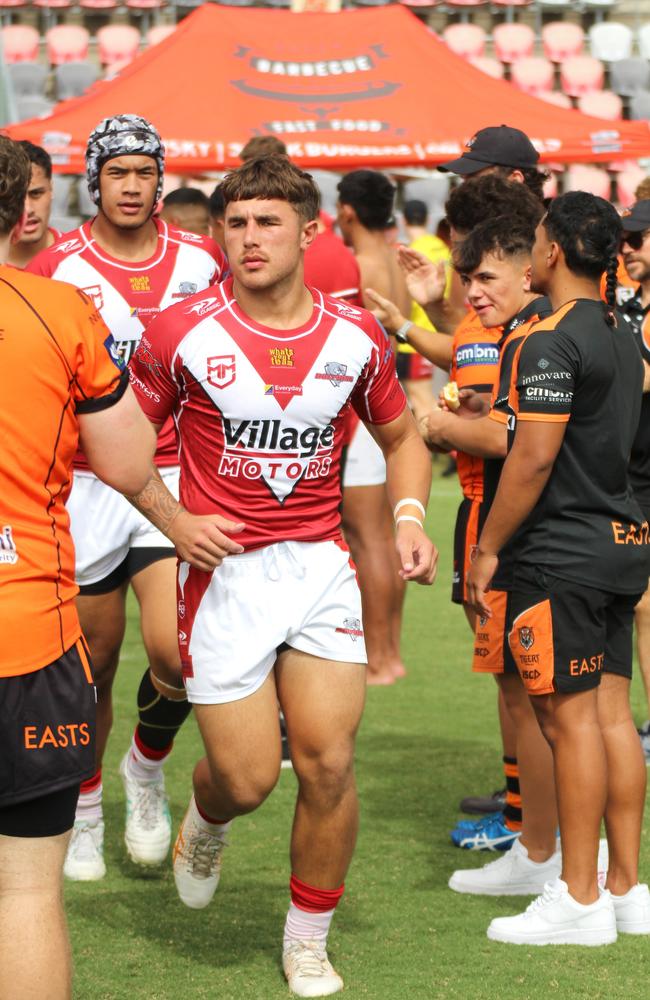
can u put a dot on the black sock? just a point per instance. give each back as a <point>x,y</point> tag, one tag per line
<point>160,718</point>
<point>512,809</point>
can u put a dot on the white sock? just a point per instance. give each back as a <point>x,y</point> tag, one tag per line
<point>143,768</point>
<point>89,806</point>
<point>207,825</point>
<point>301,925</point>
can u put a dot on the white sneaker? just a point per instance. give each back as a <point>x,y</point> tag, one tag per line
<point>309,971</point>
<point>513,874</point>
<point>197,860</point>
<point>84,861</point>
<point>148,831</point>
<point>556,918</point>
<point>633,910</point>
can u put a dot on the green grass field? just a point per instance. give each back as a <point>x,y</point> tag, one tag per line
<point>400,933</point>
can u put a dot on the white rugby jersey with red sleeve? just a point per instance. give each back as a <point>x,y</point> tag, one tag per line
<point>130,295</point>
<point>260,412</point>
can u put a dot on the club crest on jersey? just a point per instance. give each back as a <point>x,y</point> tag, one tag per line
<point>8,552</point>
<point>222,371</point>
<point>526,636</point>
<point>185,288</point>
<point>140,283</point>
<point>203,307</point>
<point>95,293</point>
<point>335,372</point>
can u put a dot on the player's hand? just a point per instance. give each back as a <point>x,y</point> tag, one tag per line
<point>472,404</point>
<point>386,311</point>
<point>481,571</point>
<point>432,427</point>
<point>201,539</point>
<point>426,281</point>
<point>417,553</point>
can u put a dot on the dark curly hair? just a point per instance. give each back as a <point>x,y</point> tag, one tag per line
<point>371,195</point>
<point>15,173</point>
<point>504,236</point>
<point>481,198</point>
<point>589,231</point>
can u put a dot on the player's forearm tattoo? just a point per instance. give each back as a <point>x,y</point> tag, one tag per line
<point>157,503</point>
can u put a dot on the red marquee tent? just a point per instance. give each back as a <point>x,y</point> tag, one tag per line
<point>372,87</point>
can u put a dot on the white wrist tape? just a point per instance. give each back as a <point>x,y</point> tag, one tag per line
<point>409,502</point>
<point>409,517</point>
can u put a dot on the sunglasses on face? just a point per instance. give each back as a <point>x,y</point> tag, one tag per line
<point>635,240</point>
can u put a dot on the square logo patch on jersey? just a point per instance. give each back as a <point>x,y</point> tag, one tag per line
<point>114,353</point>
<point>222,370</point>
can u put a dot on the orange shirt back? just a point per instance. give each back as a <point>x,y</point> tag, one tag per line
<point>474,365</point>
<point>56,361</point>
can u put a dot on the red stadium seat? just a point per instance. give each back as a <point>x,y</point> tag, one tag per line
<point>555,97</point>
<point>561,40</point>
<point>465,40</point>
<point>19,43</point>
<point>513,42</point>
<point>533,75</point>
<point>464,7</point>
<point>93,6</point>
<point>510,6</point>
<point>117,43</point>
<point>584,177</point>
<point>601,104</point>
<point>488,65</point>
<point>67,43</point>
<point>581,75</point>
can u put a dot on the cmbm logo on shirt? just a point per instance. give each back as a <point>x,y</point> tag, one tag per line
<point>477,354</point>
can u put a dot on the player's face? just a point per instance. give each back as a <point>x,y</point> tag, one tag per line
<point>637,258</point>
<point>265,239</point>
<point>497,289</point>
<point>127,189</point>
<point>37,206</point>
<point>539,260</point>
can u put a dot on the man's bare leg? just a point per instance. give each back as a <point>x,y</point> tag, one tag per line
<point>642,627</point>
<point>35,959</point>
<point>103,622</point>
<point>626,783</point>
<point>322,702</point>
<point>570,724</point>
<point>535,760</point>
<point>369,531</point>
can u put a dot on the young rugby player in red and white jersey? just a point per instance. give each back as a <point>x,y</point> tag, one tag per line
<point>36,233</point>
<point>259,374</point>
<point>132,265</point>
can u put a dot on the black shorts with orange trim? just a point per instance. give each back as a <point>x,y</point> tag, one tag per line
<point>469,524</point>
<point>563,636</point>
<point>491,650</point>
<point>47,728</point>
<point>413,367</point>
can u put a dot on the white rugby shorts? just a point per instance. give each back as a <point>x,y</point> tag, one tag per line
<point>364,464</point>
<point>231,622</point>
<point>105,525</point>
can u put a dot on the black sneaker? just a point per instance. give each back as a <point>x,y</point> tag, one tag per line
<point>485,804</point>
<point>286,752</point>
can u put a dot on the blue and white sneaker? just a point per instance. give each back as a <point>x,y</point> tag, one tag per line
<point>487,834</point>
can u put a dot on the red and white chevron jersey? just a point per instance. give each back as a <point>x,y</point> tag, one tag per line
<point>260,412</point>
<point>129,295</point>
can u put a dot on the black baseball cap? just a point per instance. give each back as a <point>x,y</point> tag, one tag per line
<point>496,146</point>
<point>637,218</point>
